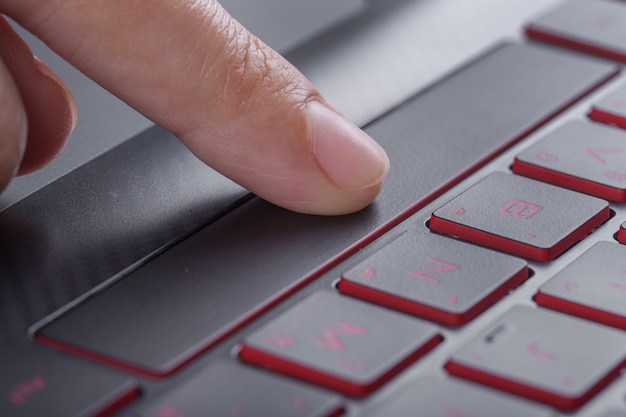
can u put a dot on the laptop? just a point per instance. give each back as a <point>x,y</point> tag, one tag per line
<point>487,279</point>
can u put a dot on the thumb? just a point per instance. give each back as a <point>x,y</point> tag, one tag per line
<point>237,104</point>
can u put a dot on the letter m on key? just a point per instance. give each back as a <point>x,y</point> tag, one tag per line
<point>521,209</point>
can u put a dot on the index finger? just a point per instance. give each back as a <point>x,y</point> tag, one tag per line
<point>238,105</point>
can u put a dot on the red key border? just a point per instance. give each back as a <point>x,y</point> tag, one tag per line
<point>580,310</point>
<point>621,234</point>
<point>415,308</point>
<point>514,247</point>
<point>532,393</point>
<point>607,118</point>
<point>567,181</point>
<point>260,358</point>
<point>536,33</point>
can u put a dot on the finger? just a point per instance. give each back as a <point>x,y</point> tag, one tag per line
<point>13,126</point>
<point>238,105</point>
<point>48,104</point>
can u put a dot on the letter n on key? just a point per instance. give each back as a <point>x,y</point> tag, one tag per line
<point>521,209</point>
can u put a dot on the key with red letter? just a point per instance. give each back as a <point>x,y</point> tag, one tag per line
<point>38,382</point>
<point>434,277</point>
<point>434,397</point>
<point>340,343</point>
<point>611,109</point>
<point>586,157</point>
<point>592,287</point>
<point>543,355</point>
<point>521,216</point>
<point>597,27</point>
<point>231,389</point>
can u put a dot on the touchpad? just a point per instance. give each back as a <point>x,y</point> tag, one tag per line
<point>284,24</point>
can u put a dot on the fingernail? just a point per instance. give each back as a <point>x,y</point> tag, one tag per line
<point>73,110</point>
<point>348,156</point>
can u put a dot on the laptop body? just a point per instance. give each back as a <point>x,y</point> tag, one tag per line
<point>398,50</point>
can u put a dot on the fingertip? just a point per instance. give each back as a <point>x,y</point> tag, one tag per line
<point>52,113</point>
<point>351,159</point>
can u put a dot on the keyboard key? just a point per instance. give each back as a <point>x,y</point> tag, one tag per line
<point>611,109</point>
<point>592,287</point>
<point>232,390</point>
<point>544,356</point>
<point>434,397</point>
<point>521,216</point>
<point>434,277</point>
<point>182,291</point>
<point>585,157</point>
<point>621,234</point>
<point>339,343</point>
<point>597,27</point>
<point>36,382</point>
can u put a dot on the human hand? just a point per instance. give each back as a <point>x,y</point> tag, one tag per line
<point>189,67</point>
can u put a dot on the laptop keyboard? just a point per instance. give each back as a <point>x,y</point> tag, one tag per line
<point>488,279</point>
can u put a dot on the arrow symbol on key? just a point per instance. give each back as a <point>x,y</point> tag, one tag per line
<point>594,153</point>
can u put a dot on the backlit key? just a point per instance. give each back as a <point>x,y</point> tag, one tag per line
<point>597,27</point>
<point>521,216</point>
<point>340,343</point>
<point>232,390</point>
<point>586,157</point>
<point>434,277</point>
<point>611,109</point>
<point>37,382</point>
<point>435,397</point>
<point>592,287</point>
<point>542,355</point>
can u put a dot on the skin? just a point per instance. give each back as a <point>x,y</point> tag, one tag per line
<point>188,66</point>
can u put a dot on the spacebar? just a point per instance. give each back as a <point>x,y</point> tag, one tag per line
<point>161,316</point>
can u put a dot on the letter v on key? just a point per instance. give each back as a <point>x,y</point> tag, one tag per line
<point>331,336</point>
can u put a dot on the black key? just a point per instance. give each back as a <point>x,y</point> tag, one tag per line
<point>581,156</point>
<point>434,277</point>
<point>597,27</point>
<point>231,390</point>
<point>545,356</point>
<point>339,343</point>
<point>433,397</point>
<point>521,216</point>
<point>611,109</point>
<point>592,287</point>
<point>183,291</point>
<point>36,382</point>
